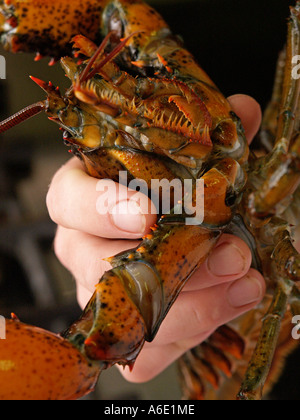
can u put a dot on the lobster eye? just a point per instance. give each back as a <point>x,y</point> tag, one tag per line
<point>112,22</point>
<point>231,198</point>
<point>116,25</point>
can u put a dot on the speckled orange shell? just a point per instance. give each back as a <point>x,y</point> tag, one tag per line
<point>48,367</point>
<point>42,22</point>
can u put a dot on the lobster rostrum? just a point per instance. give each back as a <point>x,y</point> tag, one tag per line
<point>139,102</point>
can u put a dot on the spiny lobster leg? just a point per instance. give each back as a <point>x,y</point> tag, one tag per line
<point>261,361</point>
<point>280,170</point>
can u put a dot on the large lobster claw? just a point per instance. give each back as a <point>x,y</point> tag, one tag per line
<point>33,25</point>
<point>38,365</point>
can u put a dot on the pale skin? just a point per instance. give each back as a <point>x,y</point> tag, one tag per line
<point>222,289</point>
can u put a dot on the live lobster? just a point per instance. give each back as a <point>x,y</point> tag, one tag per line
<point>139,102</point>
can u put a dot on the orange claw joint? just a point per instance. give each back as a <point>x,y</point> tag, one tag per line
<point>109,331</point>
<point>38,365</point>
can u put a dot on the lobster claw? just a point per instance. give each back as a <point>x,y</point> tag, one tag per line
<point>47,21</point>
<point>38,365</point>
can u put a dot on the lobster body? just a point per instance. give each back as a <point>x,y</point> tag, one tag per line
<point>140,103</point>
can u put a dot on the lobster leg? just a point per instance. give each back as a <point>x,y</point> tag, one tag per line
<point>260,364</point>
<point>272,180</point>
<point>279,170</point>
<point>279,180</point>
<point>286,260</point>
<point>209,363</point>
<point>286,257</point>
<point>267,133</point>
<point>275,244</point>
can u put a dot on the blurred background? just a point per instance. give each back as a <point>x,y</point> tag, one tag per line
<point>237,43</point>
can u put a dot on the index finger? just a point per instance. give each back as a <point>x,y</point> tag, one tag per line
<point>77,201</point>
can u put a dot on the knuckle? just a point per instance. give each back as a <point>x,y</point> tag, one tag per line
<point>62,183</point>
<point>50,203</point>
<point>207,319</point>
<point>52,198</point>
<point>60,247</point>
<point>199,319</point>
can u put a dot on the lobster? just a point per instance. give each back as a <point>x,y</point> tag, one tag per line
<point>139,102</point>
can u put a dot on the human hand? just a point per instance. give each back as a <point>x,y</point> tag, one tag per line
<point>222,289</point>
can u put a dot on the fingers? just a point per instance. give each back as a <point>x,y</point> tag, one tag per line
<point>91,209</point>
<point>209,300</point>
<point>222,289</point>
<point>231,259</point>
<point>204,310</point>
<point>218,292</point>
<point>82,254</point>
<point>153,361</point>
<point>128,214</point>
<point>193,317</point>
<point>249,111</point>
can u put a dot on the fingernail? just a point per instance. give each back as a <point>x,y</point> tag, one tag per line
<point>226,260</point>
<point>244,292</point>
<point>128,217</point>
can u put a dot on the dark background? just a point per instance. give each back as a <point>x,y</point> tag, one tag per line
<point>236,41</point>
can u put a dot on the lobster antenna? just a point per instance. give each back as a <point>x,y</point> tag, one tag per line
<point>21,116</point>
<point>98,52</point>
<point>85,75</point>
